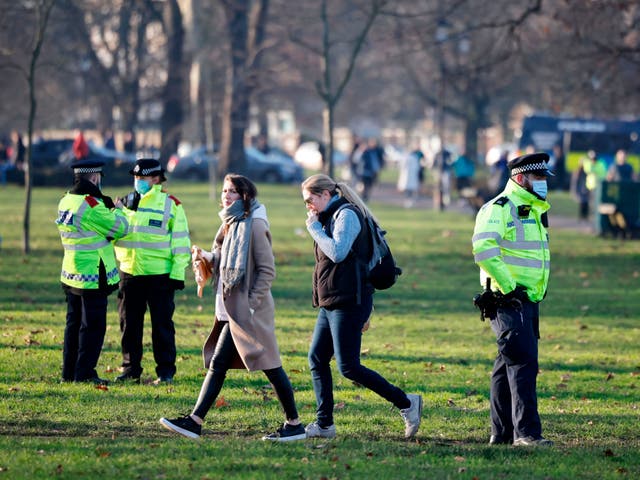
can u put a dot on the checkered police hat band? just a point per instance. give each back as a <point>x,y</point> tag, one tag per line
<point>87,170</point>
<point>529,168</point>
<point>146,171</point>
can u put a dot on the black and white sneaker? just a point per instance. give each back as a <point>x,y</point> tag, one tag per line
<point>184,426</point>
<point>287,433</point>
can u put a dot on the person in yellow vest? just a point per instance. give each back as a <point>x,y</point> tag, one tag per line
<point>511,247</point>
<point>153,257</point>
<point>87,222</point>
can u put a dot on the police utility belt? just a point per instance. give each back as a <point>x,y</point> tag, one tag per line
<point>489,301</point>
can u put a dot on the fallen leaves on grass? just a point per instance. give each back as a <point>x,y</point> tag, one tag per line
<point>610,375</point>
<point>102,387</point>
<point>30,341</point>
<point>221,402</point>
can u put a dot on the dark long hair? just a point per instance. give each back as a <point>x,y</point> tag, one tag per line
<point>245,188</point>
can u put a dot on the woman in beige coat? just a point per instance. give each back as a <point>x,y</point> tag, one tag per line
<point>243,334</point>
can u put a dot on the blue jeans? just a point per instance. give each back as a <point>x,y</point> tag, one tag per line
<point>339,332</point>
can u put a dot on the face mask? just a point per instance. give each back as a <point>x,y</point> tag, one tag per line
<point>539,187</point>
<point>141,186</point>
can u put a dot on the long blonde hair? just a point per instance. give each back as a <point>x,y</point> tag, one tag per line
<point>320,182</point>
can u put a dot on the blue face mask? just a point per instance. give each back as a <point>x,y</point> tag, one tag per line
<point>141,186</point>
<point>539,187</point>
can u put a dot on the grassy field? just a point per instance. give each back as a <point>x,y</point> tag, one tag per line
<point>425,336</point>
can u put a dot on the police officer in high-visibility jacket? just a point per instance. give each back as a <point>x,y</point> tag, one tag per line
<point>511,247</point>
<point>87,222</point>
<point>153,257</point>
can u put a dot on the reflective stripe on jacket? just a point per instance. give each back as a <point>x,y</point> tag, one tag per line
<point>85,226</point>
<point>510,243</point>
<point>158,241</point>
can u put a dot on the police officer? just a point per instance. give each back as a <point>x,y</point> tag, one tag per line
<point>152,257</point>
<point>87,223</point>
<point>511,247</point>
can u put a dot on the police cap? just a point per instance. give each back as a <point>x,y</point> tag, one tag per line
<point>530,163</point>
<point>87,166</point>
<point>147,166</point>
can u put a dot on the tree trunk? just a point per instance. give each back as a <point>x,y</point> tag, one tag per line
<point>246,21</point>
<point>173,96</point>
<point>326,150</point>
<point>43,10</point>
<point>236,101</point>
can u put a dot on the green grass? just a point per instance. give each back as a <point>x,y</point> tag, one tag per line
<point>425,337</point>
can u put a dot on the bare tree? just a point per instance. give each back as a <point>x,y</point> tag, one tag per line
<point>463,57</point>
<point>173,96</point>
<point>245,21</point>
<point>39,11</point>
<point>337,54</point>
<point>117,39</point>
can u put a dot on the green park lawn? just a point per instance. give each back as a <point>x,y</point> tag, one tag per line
<point>425,337</point>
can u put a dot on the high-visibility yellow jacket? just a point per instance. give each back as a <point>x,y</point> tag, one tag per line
<point>158,239</point>
<point>86,225</point>
<point>511,244</point>
<point>595,172</point>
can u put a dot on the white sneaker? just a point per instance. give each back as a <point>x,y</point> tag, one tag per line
<point>532,442</point>
<point>316,431</point>
<point>412,415</point>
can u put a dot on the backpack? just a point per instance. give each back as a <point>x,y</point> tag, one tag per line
<point>383,271</point>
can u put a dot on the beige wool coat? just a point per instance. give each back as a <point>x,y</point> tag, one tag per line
<point>253,334</point>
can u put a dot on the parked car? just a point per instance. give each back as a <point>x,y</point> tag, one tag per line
<point>51,162</point>
<point>46,153</point>
<point>276,167</point>
<point>45,162</point>
<point>308,156</point>
<point>116,164</point>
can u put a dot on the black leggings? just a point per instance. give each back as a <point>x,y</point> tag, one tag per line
<point>220,364</point>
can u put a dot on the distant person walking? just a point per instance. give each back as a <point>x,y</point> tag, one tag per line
<point>80,147</point>
<point>18,151</point>
<point>442,178</point>
<point>409,177</point>
<point>344,298</point>
<point>5,165</point>
<point>464,170</point>
<point>369,161</point>
<point>87,222</point>
<point>108,139</point>
<point>243,334</point>
<point>620,170</point>
<point>586,181</point>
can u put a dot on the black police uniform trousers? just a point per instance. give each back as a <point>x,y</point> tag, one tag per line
<point>84,333</point>
<point>135,294</point>
<point>514,404</point>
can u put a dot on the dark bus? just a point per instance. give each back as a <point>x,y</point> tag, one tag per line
<point>578,135</point>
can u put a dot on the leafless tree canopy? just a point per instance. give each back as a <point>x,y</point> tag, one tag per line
<point>168,66</point>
